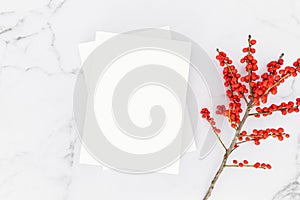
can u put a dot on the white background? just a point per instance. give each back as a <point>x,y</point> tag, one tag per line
<point>39,60</point>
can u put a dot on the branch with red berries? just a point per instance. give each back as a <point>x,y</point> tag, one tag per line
<point>246,94</point>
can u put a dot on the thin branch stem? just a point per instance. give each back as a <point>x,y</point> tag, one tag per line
<point>281,56</point>
<point>252,139</point>
<point>262,113</point>
<point>218,137</point>
<point>229,151</point>
<point>251,166</point>
<point>220,140</point>
<point>244,141</point>
<point>249,70</point>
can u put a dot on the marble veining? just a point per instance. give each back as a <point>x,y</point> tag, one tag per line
<point>292,190</point>
<point>40,169</point>
<point>37,76</point>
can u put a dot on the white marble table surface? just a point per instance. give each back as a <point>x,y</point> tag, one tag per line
<point>39,61</point>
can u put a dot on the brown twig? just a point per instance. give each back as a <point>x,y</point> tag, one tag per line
<point>264,113</point>
<point>219,139</point>
<point>252,166</point>
<point>229,151</point>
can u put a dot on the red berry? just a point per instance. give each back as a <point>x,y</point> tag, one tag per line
<point>243,133</point>
<point>257,165</point>
<point>280,130</point>
<point>253,42</point>
<point>284,112</point>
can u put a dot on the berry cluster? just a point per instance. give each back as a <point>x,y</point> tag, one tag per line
<point>221,109</point>
<point>262,86</point>
<point>261,134</point>
<point>284,108</point>
<point>245,163</point>
<point>296,64</point>
<point>270,81</point>
<point>206,115</point>
<point>236,90</point>
<point>251,67</point>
